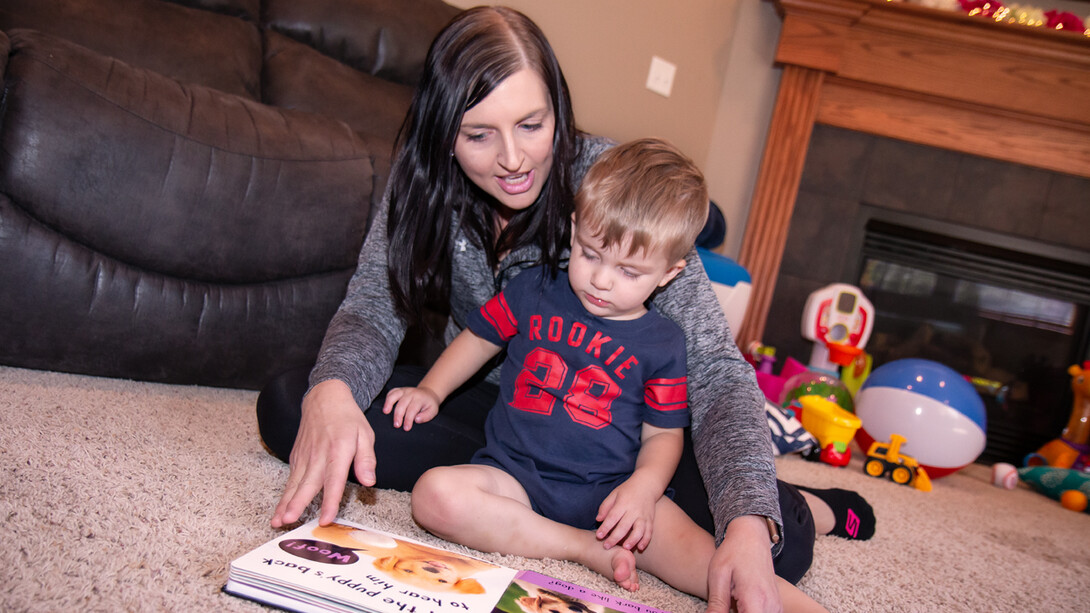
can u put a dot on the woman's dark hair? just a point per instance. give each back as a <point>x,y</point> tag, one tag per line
<point>473,54</point>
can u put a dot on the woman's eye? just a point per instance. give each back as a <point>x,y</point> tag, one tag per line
<point>476,137</point>
<point>531,127</point>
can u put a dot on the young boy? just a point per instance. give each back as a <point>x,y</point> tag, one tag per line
<point>588,429</point>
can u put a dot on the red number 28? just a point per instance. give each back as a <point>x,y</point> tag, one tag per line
<point>589,397</point>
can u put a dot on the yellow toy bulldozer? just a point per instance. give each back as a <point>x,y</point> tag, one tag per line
<point>886,460</point>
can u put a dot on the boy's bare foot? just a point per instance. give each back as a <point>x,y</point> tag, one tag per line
<point>618,562</point>
<point>624,569</point>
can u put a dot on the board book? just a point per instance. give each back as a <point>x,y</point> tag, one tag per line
<point>349,567</point>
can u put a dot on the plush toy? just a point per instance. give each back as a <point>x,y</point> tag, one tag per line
<point>1071,487</point>
<point>1072,448</point>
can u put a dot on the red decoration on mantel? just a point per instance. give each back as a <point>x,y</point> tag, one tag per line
<point>993,9</point>
<point>1063,21</point>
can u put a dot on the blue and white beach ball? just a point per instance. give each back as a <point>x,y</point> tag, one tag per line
<point>938,412</point>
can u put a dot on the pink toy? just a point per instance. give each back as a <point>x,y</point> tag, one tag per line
<point>772,385</point>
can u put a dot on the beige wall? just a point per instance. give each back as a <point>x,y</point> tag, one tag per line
<point>722,93</point>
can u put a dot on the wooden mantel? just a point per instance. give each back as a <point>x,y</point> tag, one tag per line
<point>932,77</point>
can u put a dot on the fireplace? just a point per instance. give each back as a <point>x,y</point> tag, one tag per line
<point>978,264</point>
<point>933,127</point>
<point>919,75</point>
<point>1011,320</point>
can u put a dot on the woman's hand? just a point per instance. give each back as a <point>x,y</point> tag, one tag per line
<point>411,405</point>
<point>741,569</point>
<point>333,435</point>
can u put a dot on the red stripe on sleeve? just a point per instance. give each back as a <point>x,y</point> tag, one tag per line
<point>500,316</point>
<point>666,394</point>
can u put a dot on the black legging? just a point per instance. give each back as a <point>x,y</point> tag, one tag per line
<point>457,432</point>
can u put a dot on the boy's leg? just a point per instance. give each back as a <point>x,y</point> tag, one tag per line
<point>487,509</point>
<point>680,553</point>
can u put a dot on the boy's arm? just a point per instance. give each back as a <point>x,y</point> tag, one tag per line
<point>660,452</point>
<point>465,355</point>
<point>627,515</point>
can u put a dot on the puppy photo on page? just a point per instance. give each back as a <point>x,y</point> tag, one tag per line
<point>408,562</point>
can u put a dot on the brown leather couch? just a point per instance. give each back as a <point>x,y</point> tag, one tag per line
<point>184,186</point>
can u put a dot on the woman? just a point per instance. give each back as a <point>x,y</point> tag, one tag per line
<point>488,160</point>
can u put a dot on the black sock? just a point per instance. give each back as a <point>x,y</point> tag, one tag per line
<point>854,516</point>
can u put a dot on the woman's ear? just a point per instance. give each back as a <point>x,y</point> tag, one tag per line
<point>672,272</point>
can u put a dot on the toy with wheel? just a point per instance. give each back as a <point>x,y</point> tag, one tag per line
<point>886,460</point>
<point>833,427</point>
<point>931,405</point>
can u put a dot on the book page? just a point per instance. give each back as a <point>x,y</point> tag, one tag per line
<point>352,567</point>
<point>532,592</point>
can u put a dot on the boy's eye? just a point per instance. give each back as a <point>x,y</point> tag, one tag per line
<point>631,274</point>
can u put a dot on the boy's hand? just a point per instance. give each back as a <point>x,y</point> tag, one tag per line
<point>627,516</point>
<point>411,405</point>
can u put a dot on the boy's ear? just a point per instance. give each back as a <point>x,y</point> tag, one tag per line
<point>672,272</point>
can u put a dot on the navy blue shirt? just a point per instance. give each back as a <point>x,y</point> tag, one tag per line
<point>576,389</point>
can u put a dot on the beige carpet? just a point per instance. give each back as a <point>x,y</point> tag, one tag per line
<point>122,496</point>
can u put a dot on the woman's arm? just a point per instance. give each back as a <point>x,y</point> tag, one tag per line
<point>362,340</point>
<point>355,360</point>
<point>730,431</point>
<point>732,445</point>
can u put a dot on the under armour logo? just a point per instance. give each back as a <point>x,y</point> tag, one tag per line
<point>852,524</point>
<point>461,243</point>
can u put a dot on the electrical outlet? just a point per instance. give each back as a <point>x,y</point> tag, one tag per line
<point>660,79</point>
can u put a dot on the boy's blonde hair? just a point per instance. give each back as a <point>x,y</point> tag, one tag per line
<point>645,191</point>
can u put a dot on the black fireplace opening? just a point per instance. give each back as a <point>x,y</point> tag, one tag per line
<point>1011,314</point>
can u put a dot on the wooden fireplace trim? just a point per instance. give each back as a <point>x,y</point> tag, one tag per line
<point>931,77</point>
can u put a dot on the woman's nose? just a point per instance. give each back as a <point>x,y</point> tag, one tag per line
<point>510,155</point>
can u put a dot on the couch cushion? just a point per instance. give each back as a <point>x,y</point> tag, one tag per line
<point>191,45</point>
<point>246,9</point>
<point>385,38</point>
<point>298,77</point>
<point>217,187</point>
<point>70,309</point>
